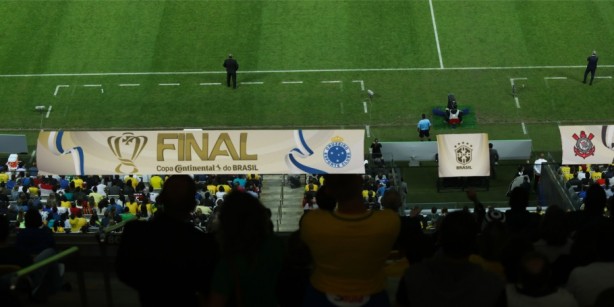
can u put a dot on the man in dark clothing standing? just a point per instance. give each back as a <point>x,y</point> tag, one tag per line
<point>231,66</point>
<point>591,67</point>
<point>494,160</point>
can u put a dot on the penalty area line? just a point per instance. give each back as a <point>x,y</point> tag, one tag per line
<point>524,128</point>
<point>512,82</point>
<point>362,84</point>
<point>48,111</point>
<point>57,89</point>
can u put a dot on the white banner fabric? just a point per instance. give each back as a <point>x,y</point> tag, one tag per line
<point>201,152</point>
<point>587,144</point>
<point>463,155</point>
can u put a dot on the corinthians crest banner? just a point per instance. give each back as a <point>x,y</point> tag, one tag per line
<point>201,152</point>
<point>587,144</point>
<point>463,155</point>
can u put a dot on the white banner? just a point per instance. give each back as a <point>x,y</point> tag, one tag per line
<point>201,152</point>
<point>463,155</point>
<point>587,144</point>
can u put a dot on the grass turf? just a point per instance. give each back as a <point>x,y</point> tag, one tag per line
<point>389,46</point>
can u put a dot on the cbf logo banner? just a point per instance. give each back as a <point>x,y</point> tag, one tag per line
<point>587,144</point>
<point>463,155</point>
<point>201,152</point>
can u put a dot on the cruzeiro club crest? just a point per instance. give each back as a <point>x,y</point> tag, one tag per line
<point>584,146</point>
<point>127,148</point>
<point>337,154</point>
<point>463,152</point>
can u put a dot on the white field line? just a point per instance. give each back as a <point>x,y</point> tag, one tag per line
<point>212,83</point>
<point>604,77</point>
<point>553,78</point>
<point>169,84</point>
<point>517,102</point>
<point>129,84</point>
<point>293,71</point>
<point>332,81</point>
<point>368,131</point>
<point>364,105</point>
<point>57,89</point>
<point>362,84</point>
<point>291,82</point>
<point>48,111</point>
<point>254,82</point>
<point>95,85</point>
<point>436,35</point>
<point>524,128</point>
<point>512,80</point>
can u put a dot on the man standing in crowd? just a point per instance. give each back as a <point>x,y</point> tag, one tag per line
<point>591,67</point>
<point>424,127</point>
<point>376,149</point>
<point>231,66</point>
<point>494,159</point>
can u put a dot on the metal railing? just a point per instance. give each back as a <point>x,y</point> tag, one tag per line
<point>15,277</point>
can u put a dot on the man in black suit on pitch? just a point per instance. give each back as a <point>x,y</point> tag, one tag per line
<point>591,67</point>
<point>231,66</point>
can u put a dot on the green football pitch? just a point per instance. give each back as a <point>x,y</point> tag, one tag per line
<point>305,64</point>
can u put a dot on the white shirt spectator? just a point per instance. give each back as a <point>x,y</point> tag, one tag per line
<point>220,194</point>
<point>62,210</point>
<point>101,187</point>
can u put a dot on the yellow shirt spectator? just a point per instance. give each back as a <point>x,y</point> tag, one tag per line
<point>156,182</point>
<point>76,224</point>
<point>350,251</point>
<point>227,188</point>
<point>212,189</point>
<point>253,177</point>
<point>132,207</point>
<point>33,190</point>
<point>311,187</point>
<point>134,181</point>
<point>78,182</point>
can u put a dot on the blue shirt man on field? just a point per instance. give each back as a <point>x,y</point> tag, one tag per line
<point>424,127</point>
